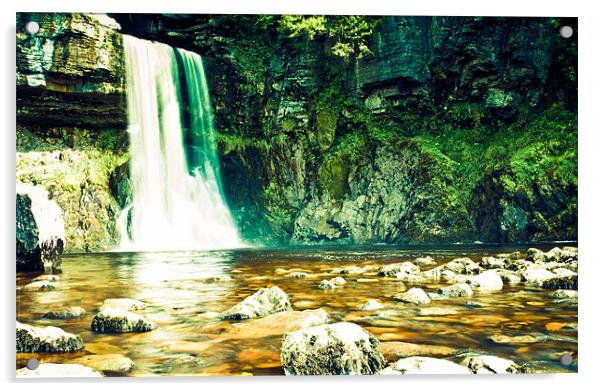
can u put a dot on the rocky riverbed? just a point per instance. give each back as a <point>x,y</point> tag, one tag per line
<point>333,310</point>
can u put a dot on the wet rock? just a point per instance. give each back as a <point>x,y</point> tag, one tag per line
<point>561,282</point>
<point>563,272</point>
<point>271,325</point>
<point>414,296</point>
<point>565,294</point>
<point>40,230</point>
<point>349,270</point>
<point>335,349</point>
<point>566,254</point>
<point>509,277</point>
<point>338,281</point>
<point>47,277</point>
<point>536,275</point>
<point>491,364</point>
<point>513,340</point>
<point>555,326</point>
<point>487,281</point>
<point>261,303</point>
<point>394,269</point>
<point>419,365</point>
<point>327,285</point>
<point>296,275</point>
<point>512,256</point>
<point>118,320</point>
<point>58,370</point>
<point>492,263</point>
<point>462,266</point>
<point>424,261</point>
<point>40,286</point>
<point>456,290</point>
<point>372,305</point>
<point>123,303</point>
<point>46,339</point>
<point>107,362</point>
<point>393,351</point>
<point>66,313</point>
<point>519,265</point>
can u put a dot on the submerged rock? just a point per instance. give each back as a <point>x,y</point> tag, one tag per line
<point>393,351</point>
<point>414,296</point>
<point>31,339</point>
<point>296,275</point>
<point>66,313</point>
<point>419,365</point>
<point>335,349</point>
<point>487,281</point>
<point>47,277</point>
<point>437,311</point>
<point>261,303</point>
<point>326,285</point>
<point>456,290</point>
<point>118,320</point>
<point>491,364</point>
<point>40,230</point>
<point>40,286</point>
<point>513,340</point>
<point>123,303</point>
<point>274,324</point>
<point>394,269</point>
<point>106,362</point>
<point>372,305</point>
<point>349,270</point>
<point>58,370</point>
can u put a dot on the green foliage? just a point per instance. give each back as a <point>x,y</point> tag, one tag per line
<point>349,34</point>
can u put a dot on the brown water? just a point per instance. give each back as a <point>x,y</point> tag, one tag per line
<point>186,342</point>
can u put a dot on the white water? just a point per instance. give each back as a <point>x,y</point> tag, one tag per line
<point>173,208</point>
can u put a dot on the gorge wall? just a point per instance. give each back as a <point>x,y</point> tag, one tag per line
<point>451,129</point>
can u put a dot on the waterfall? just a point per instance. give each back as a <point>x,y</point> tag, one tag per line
<point>177,197</point>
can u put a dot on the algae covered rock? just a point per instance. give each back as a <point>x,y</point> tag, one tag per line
<point>419,365</point>
<point>335,349</point>
<point>66,313</point>
<point>261,303</point>
<point>40,230</point>
<point>46,339</point>
<point>118,320</point>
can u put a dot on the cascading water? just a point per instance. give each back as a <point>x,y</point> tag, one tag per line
<point>177,198</point>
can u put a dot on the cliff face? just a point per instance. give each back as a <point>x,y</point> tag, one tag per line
<point>71,119</point>
<point>454,129</point>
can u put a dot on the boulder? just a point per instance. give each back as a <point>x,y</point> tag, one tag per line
<point>261,303</point>
<point>326,285</point>
<point>118,320</point>
<point>40,230</point>
<point>31,339</point>
<point>106,362</point>
<point>394,269</point>
<point>512,256</point>
<point>58,370</point>
<point>393,351</point>
<point>509,277</point>
<point>296,275</point>
<point>338,281</point>
<point>123,303</point>
<point>536,275</point>
<point>491,364</point>
<point>66,313</point>
<point>561,282</point>
<point>419,365</point>
<point>334,349</point>
<point>563,272</point>
<point>487,281</point>
<point>372,305</point>
<point>425,261</point>
<point>414,296</point>
<point>456,290</point>
<point>462,266</point>
<point>492,263</point>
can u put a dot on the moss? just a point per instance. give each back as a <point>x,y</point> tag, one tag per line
<point>326,125</point>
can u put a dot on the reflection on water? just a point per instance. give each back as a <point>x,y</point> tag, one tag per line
<point>182,301</point>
